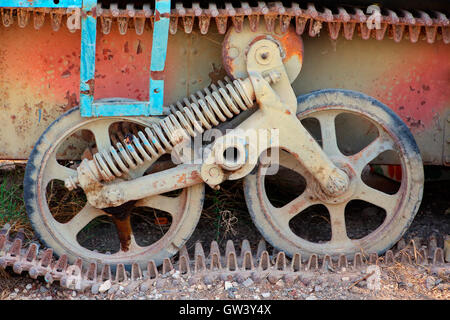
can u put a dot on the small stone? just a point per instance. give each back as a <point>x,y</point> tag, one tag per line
<point>159,283</point>
<point>49,298</point>
<point>280,283</point>
<point>28,286</point>
<point>105,286</point>
<point>13,295</point>
<point>374,281</point>
<point>430,283</point>
<point>113,288</point>
<point>208,280</point>
<point>43,289</point>
<point>345,278</point>
<point>256,298</point>
<point>247,283</point>
<point>158,296</point>
<point>362,284</point>
<point>74,293</point>
<point>265,294</point>
<point>95,287</point>
<point>121,288</point>
<point>176,275</point>
<point>311,297</point>
<point>237,296</point>
<point>131,287</point>
<point>16,290</point>
<point>317,288</point>
<point>228,285</point>
<point>231,294</point>
<point>145,286</point>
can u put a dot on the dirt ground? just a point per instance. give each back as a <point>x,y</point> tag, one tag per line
<point>399,281</point>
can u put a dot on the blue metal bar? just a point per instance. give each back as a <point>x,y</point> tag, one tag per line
<point>87,60</point>
<point>159,52</point>
<point>105,109</point>
<point>41,3</point>
<point>154,106</point>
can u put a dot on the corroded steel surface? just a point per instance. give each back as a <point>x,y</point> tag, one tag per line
<point>204,267</point>
<point>35,90</point>
<point>40,69</point>
<point>306,18</point>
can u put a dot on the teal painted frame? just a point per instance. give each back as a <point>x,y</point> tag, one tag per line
<point>88,107</point>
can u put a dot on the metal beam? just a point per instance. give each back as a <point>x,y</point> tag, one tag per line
<point>41,3</point>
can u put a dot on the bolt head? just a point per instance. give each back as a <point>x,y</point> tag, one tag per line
<point>263,55</point>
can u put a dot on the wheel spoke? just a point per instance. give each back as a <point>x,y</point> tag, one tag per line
<point>376,197</point>
<point>100,130</point>
<point>82,219</point>
<point>293,208</point>
<point>375,148</point>
<point>328,130</point>
<point>172,205</point>
<point>56,171</point>
<point>290,162</point>
<point>337,220</point>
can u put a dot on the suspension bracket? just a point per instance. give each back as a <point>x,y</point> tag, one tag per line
<point>274,125</point>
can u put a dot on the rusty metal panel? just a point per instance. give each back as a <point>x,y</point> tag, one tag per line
<point>412,79</point>
<point>447,139</point>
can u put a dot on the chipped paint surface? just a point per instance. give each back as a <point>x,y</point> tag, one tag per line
<point>41,3</point>
<point>49,79</point>
<point>412,81</point>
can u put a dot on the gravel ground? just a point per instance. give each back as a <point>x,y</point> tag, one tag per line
<point>396,282</point>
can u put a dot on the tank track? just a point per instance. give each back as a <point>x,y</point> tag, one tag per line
<point>414,25</point>
<point>207,268</point>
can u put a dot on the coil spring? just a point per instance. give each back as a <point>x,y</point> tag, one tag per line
<point>203,110</point>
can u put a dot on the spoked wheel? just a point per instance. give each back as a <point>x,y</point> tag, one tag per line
<point>312,222</point>
<point>151,228</point>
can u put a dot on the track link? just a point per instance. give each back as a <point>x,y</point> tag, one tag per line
<point>204,268</point>
<point>414,25</point>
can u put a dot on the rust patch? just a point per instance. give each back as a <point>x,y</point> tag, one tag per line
<point>123,227</point>
<point>182,178</point>
<point>217,73</point>
<point>121,218</point>
<point>139,48</point>
<point>90,91</point>
<point>71,101</point>
<point>158,15</point>
<point>157,75</point>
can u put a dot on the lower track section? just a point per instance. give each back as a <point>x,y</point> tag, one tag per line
<point>243,266</point>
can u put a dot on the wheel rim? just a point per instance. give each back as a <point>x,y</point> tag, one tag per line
<point>278,218</point>
<point>66,233</point>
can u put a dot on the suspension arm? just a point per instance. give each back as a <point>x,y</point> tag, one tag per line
<point>267,84</point>
<point>120,192</point>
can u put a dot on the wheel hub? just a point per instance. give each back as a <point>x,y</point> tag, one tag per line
<point>346,194</point>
